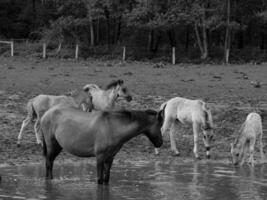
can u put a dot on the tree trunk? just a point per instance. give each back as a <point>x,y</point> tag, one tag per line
<point>98,29</point>
<point>108,25</point>
<point>227,41</point>
<point>92,36</point>
<point>150,40</point>
<point>205,39</point>
<point>187,38</point>
<point>198,39</point>
<point>118,30</point>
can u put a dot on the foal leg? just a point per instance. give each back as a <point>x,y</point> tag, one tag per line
<point>251,151</point>
<point>23,126</point>
<point>261,148</point>
<point>100,168</point>
<point>166,125</point>
<point>172,139</point>
<point>107,166</point>
<point>37,131</point>
<point>195,132</point>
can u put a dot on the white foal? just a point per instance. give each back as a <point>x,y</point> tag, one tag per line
<point>194,112</point>
<point>38,105</point>
<point>246,139</point>
<point>105,99</point>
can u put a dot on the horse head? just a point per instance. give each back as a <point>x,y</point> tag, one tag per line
<point>153,131</point>
<point>120,90</point>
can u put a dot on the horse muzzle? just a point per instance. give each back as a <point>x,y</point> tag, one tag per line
<point>208,152</point>
<point>158,143</point>
<point>129,98</point>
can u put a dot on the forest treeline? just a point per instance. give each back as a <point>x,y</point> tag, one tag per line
<point>219,30</point>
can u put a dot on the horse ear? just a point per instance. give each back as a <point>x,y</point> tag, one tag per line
<point>86,88</point>
<point>160,115</point>
<point>120,82</point>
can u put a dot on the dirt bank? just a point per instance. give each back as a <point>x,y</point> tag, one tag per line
<point>227,88</point>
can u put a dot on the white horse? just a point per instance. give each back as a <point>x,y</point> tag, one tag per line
<point>246,139</point>
<point>105,99</point>
<point>194,112</point>
<point>38,105</point>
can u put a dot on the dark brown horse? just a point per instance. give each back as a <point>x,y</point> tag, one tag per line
<point>98,134</point>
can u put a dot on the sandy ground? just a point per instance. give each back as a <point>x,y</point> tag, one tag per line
<point>227,89</point>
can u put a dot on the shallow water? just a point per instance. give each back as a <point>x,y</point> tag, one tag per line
<point>137,180</point>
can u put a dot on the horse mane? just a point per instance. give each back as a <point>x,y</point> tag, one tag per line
<point>135,114</point>
<point>114,84</point>
<point>239,134</point>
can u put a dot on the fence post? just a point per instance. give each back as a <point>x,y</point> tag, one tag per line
<point>44,50</point>
<point>173,55</point>
<point>77,51</point>
<point>124,53</point>
<point>12,48</point>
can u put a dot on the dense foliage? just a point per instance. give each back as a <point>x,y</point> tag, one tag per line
<point>203,29</point>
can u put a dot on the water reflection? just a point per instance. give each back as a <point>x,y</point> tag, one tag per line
<point>143,180</point>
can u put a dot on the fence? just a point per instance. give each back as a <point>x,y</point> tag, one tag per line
<point>23,47</point>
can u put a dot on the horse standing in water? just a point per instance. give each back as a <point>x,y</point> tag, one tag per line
<point>96,134</point>
<point>105,99</point>
<point>38,105</point>
<point>194,112</point>
<point>246,139</point>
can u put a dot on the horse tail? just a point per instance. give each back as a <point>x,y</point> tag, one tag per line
<point>31,111</point>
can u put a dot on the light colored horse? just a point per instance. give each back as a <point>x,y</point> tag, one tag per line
<point>95,134</point>
<point>38,105</point>
<point>194,112</point>
<point>105,99</point>
<point>246,139</point>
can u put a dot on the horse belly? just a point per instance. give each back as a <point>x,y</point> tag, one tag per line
<point>76,142</point>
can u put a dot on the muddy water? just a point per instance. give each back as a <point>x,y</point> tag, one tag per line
<point>139,180</point>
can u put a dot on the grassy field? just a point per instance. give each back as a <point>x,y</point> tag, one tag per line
<point>227,89</point>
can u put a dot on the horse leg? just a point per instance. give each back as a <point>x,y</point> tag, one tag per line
<point>23,126</point>
<point>195,132</point>
<point>52,152</point>
<point>261,148</point>
<point>107,166</point>
<point>244,153</point>
<point>166,125</point>
<point>100,168</point>
<point>37,131</point>
<point>172,139</point>
<point>251,151</point>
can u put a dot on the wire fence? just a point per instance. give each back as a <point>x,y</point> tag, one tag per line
<point>25,47</point>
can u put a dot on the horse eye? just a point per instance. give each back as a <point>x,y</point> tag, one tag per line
<point>124,89</point>
<point>205,137</point>
<point>211,136</point>
<point>237,154</point>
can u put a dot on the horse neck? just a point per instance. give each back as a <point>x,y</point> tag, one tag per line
<point>79,98</point>
<point>138,126</point>
<point>242,137</point>
<point>105,99</point>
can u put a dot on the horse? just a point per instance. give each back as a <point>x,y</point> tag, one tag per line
<point>38,105</point>
<point>195,112</point>
<point>99,134</point>
<point>104,99</point>
<point>246,139</point>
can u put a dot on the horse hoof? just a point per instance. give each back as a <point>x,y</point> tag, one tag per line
<point>208,156</point>
<point>18,145</point>
<point>198,158</point>
<point>175,154</point>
